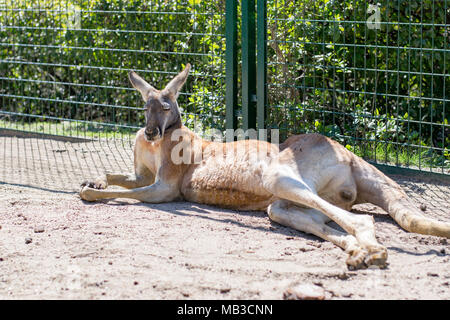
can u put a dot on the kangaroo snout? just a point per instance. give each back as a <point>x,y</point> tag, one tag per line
<point>152,134</point>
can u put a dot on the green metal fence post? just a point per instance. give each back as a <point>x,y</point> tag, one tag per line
<point>261,72</point>
<point>248,64</point>
<point>231,63</point>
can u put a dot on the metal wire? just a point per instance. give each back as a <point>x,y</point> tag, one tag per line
<point>378,86</point>
<point>372,75</point>
<point>64,63</point>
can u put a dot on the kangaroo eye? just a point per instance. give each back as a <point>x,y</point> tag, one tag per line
<point>165,106</point>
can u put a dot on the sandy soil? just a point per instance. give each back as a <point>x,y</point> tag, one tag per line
<point>129,250</point>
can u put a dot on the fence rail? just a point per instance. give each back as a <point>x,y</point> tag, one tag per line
<point>64,63</point>
<point>373,76</point>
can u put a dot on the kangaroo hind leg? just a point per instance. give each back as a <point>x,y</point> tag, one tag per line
<point>362,227</point>
<point>314,222</point>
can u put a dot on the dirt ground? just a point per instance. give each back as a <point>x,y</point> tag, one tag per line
<point>55,246</point>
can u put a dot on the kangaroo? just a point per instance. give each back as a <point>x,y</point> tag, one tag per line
<point>304,183</point>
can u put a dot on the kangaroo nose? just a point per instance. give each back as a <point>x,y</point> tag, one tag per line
<point>151,133</point>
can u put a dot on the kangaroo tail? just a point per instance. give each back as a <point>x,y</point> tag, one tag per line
<point>374,187</point>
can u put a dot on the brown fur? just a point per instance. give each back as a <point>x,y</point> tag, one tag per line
<point>304,183</point>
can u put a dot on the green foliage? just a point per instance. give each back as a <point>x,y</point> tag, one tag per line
<point>372,89</point>
<point>77,54</point>
<point>329,72</point>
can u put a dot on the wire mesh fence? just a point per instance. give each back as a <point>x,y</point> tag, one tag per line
<point>64,63</point>
<point>60,164</point>
<point>373,75</point>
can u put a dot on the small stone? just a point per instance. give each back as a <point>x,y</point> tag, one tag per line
<point>318,283</point>
<point>442,251</point>
<point>225,290</point>
<point>443,241</point>
<point>1,259</point>
<point>432,274</point>
<point>343,276</point>
<point>110,263</point>
<point>304,292</point>
<point>423,207</point>
<point>39,229</point>
<point>28,240</point>
<point>347,294</point>
<point>334,294</point>
<point>135,283</point>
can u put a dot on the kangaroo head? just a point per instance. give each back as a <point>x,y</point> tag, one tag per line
<point>161,107</point>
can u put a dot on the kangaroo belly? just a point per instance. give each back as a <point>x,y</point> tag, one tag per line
<point>234,185</point>
<point>228,198</point>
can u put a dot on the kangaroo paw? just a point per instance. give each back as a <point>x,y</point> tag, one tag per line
<point>97,184</point>
<point>86,194</point>
<point>356,259</point>
<point>377,257</point>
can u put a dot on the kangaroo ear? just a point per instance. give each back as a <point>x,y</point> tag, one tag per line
<point>175,85</point>
<point>141,85</point>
